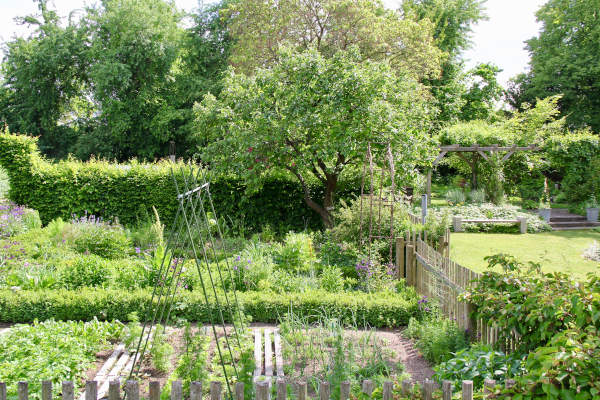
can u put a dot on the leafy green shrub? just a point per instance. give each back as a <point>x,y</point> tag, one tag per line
<point>455,197</point>
<point>332,279</point>
<point>149,233</point>
<point>85,270</point>
<point>567,368</point>
<point>55,351</point>
<point>31,277</point>
<point>478,363</point>
<point>253,265</point>
<point>477,196</point>
<point>343,255</point>
<point>531,190</point>
<point>131,273</point>
<point>535,306</point>
<point>193,362</point>
<point>296,253</point>
<point>127,191</point>
<point>436,338</point>
<point>383,309</point>
<point>160,350</point>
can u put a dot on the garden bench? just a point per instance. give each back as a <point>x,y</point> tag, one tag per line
<point>457,222</point>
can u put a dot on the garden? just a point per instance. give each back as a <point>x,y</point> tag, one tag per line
<point>312,200</point>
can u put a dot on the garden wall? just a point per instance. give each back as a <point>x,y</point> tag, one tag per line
<point>128,191</point>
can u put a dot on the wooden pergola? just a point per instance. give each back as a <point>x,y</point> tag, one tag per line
<point>478,152</point>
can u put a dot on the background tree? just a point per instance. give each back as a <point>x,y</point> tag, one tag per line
<point>42,78</point>
<point>565,59</point>
<point>312,117</point>
<point>482,94</point>
<point>453,22</point>
<point>259,27</point>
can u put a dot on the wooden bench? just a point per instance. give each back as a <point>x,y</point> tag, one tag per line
<point>457,222</point>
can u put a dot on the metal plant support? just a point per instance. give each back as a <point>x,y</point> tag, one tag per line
<point>195,235</point>
<point>377,198</point>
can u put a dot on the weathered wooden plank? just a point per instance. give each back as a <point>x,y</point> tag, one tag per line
<point>68,390</point>
<point>91,390</point>
<point>278,353</point>
<point>23,390</point>
<point>176,390</point>
<point>114,390</point>
<point>132,390</point>
<point>467,390</point>
<point>46,390</point>
<point>268,354</point>
<point>257,353</point>
<point>216,390</point>
<point>344,390</point>
<point>154,391</point>
<point>239,391</point>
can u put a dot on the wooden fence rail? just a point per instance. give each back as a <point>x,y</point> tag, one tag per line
<point>263,390</point>
<point>427,267</point>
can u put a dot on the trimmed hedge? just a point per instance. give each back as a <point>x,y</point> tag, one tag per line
<point>376,310</point>
<point>128,191</point>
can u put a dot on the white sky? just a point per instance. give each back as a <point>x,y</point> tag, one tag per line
<point>498,40</point>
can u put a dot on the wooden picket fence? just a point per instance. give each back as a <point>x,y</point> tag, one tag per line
<point>262,390</point>
<point>427,267</point>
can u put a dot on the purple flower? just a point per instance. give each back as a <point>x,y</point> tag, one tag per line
<point>138,250</point>
<point>237,258</point>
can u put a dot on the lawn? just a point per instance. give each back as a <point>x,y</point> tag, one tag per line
<point>556,251</point>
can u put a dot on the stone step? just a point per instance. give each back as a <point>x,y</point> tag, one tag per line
<point>570,218</point>
<point>574,228</point>
<point>582,224</point>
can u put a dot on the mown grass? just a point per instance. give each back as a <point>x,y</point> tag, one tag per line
<point>555,251</point>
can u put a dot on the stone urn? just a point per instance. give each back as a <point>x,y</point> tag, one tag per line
<point>592,214</point>
<point>545,214</point>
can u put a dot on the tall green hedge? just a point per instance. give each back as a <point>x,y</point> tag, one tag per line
<point>575,158</point>
<point>128,191</point>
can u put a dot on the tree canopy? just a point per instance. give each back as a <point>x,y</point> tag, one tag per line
<point>260,27</point>
<point>565,59</point>
<point>312,116</point>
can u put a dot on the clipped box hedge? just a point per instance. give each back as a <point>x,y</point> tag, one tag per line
<point>375,310</point>
<point>128,191</point>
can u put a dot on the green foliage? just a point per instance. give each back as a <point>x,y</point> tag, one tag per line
<point>160,350</point>
<point>55,351</point>
<point>260,28</point>
<point>531,190</point>
<point>251,267</point>
<point>128,191</point>
<point>436,338</point>
<point>4,183</point>
<point>90,235</point>
<point>193,362</point>
<point>16,219</point>
<point>575,157</point>
<point>566,44</point>
<point>567,368</point>
<point>483,94</point>
<point>478,363</point>
<point>332,279</point>
<point>296,254</point>
<point>342,254</point>
<point>382,309</point>
<point>313,117</point>
<point>85,271</point>
<point>535,306</point>
<point>477,196</point>
<point>455,197</point>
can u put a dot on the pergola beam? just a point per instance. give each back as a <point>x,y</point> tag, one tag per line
<point>492,148</point>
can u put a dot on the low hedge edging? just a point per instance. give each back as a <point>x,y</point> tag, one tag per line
<point>375,310</point>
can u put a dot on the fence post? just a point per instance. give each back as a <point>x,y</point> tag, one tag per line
<point>281,389</point>
<point>302,390</point>
<point>409,265</point>
<point>388,386</point>
<point>3,391</point>
<point>239,391</point>
<point>324,391</point>
<point>114,390</point>
<point>457,223</point>
<point>216,390</point>
<point>367,387</point>
<point>154,391</point>
<point>68,390</point>
<point>262,390</point>
<point>467,390</point>
<point>46,390</point>
<point>400,257</point>
<point>23,390</point>
<point>91,391</point>
<point>344,390</point>
<point>196,391</point>
<point>176,390</point>
<point>132,390</point>
<point>428,389</point>
<point>446,390</point>
<point>488,387</point>
<point>406,386</point>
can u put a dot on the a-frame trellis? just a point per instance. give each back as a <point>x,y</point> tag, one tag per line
<point>478,152</point>
<point>195,235</point>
